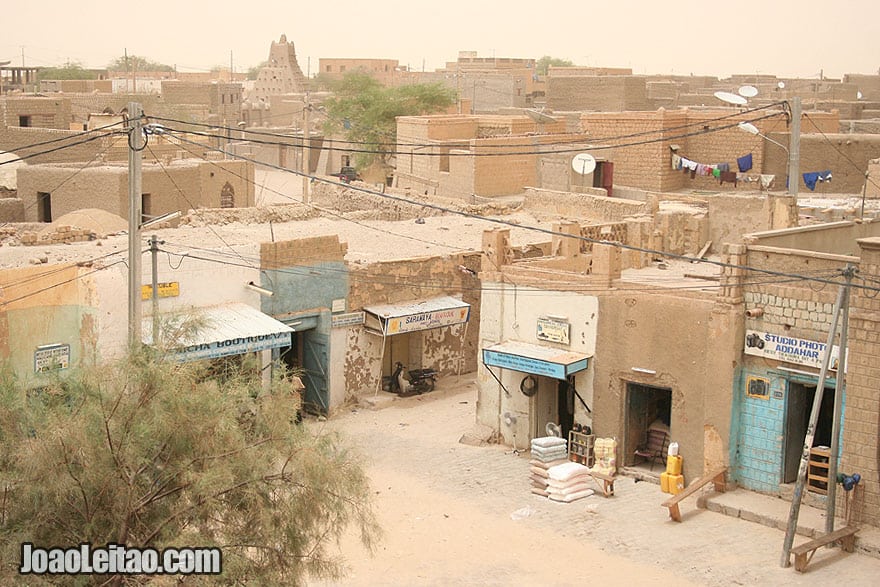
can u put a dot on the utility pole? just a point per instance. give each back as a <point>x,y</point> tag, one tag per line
<point>794,149</point>
<point>306,151</point>
<point>831,497</point>
<point>154,252</point>
<point>797,497</point>
<point>135,146</point>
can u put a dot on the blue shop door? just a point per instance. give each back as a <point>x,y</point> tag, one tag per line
<point>314,364</point>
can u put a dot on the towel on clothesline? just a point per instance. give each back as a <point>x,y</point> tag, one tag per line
<point>745,162</point>
<point>812,177</point>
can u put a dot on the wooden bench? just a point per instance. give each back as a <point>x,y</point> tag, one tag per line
<point>717,476</point>
<point>605,482</point>
<point>804,552</point>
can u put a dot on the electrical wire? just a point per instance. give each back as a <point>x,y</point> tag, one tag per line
<point>840,151</point>
<point>53,286</point>
<point>533,228</point>
<point>60,139</point>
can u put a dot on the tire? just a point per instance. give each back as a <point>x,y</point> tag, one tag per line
<point>429,384</point>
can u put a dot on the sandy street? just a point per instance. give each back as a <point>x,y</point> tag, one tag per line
<point>455,514</point>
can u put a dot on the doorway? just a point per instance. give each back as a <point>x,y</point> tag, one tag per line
<point>646,407</point>
<point>307,355</point>
<point>797,419</point>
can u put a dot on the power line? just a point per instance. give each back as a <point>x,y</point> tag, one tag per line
<point>533,228</point>
<point>60,139</point>
<point>839,151</point>
<point>53,286</point>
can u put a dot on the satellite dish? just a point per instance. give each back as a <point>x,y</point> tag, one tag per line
<point>540,117</point>
<point>583,163</point>
<point>858,95</point>
<point>748,91</point>
<point>734,99</point>
<point>781,85</point>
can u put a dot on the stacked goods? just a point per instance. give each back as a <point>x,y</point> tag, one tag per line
<point>605,452</point>
<point>568,482</point>
<point>546,452</point>
<point>672,481</point>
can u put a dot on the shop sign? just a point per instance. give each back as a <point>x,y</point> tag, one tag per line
<point>426,320</point>
<point>350,319</point>
<point>51,357</point>
<point>553,330</point>
<point>789,349</point>
<point>233,346</point>
<point>169,289</point>
<point>523,364</point>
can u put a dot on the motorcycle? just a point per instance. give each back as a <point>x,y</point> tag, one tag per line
<point>407,383</point>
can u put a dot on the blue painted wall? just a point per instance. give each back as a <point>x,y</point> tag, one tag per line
<point>757,431</point>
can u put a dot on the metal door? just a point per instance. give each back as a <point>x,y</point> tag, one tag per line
<point>314,363</point>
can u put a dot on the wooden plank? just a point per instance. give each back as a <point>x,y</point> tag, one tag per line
<point>702,252</point>
<point>693,487</point>
<point>803,553</point>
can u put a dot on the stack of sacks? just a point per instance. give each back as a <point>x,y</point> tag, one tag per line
<point>546,452</point>
<point>568,482</point>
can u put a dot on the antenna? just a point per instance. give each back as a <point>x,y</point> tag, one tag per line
<point>748,91</point>
<point>730,98</point>
<point>583,163</point>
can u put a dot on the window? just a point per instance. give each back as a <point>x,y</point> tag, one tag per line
<point>341,68</point>
<point>329,68</point>
<point>758,387</point>
<point>444,159</point>
<point>44,206</point>
<point>24,121</point>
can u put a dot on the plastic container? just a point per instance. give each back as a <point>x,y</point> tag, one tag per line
<point>673,449</point>
<point>676,484</point>
<point>673,465</point>
<point>664,482</point>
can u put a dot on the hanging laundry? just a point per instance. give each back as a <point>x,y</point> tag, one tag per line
<point>810,180</point>
<point>728,176</point>
<point>767,181</point>
<point>824,176</point>
<point>716,172</point>
<point>723,166</point>
<point>745,162</point>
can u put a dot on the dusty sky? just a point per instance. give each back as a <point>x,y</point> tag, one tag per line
<point>788,38</point>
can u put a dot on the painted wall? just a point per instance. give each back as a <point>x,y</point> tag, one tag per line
<point>692,345</point>
<point>510,313</point>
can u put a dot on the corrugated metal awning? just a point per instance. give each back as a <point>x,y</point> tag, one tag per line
<point>392,319</point>
<point>534,359</point>
<point>229,329</point>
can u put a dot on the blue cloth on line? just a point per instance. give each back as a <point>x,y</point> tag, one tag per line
<point>810,180</point>
<point>744,163</point>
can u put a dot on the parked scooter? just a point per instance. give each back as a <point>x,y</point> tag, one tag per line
<point>406,383</point>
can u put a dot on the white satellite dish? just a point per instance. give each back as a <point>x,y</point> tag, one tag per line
<point>583,163</point>
<point>858,95</point>
<point>730,98</point>
<point>540,117</point>
<point>781,85</point>
<point>748,91</point>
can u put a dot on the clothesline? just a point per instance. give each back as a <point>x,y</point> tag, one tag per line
<point>720,170</point>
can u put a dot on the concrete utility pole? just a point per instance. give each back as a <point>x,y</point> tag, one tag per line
<point>306,151</point>
<point>794,512</point>
<point>154,251</point>
<point>135,146</point>
<point>831,497</point>
<point>794,148</point>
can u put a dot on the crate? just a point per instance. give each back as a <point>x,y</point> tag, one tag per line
<point>817,470</point>
<point>580,447</point>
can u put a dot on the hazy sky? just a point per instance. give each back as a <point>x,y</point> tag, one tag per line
<point>784,37</point>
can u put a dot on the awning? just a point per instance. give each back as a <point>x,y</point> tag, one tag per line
<point>229,329</point>
<point>413,316</point>
<point>534,359</point>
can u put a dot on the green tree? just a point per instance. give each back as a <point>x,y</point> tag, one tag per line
<point>254,71</point>
<point>543,64</point>
<point>72,70</point>
<point>137,63</point>
<point>148,453</point>
<point>365,111</point>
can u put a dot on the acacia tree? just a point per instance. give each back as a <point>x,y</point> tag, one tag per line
<point>72,70</point>
<point>365,111</point>
<point>148,453</point>
<point>543,64</point>
<point>137,63</point>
